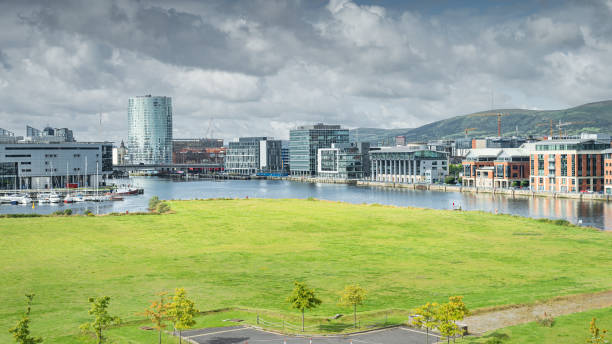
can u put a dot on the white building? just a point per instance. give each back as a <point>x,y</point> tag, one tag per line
<point>404,165</point>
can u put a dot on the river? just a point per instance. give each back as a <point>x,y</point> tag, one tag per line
<point>592,213</point>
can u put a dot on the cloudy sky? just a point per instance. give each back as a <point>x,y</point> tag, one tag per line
<point>262,67</point>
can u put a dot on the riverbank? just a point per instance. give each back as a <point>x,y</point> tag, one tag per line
<point>249,252</point>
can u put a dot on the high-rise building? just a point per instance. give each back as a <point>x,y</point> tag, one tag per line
<point>150,130</point>
<point>304,144</point>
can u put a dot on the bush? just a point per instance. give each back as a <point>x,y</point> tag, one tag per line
<point>68,212</point>
<point>87,212</point>
<point>154,202</point>
<point>449,180</point>
<point>515,184</point>
<point>58,213</point>
<point>162,208</point>
<point>547,320</point>
<point>525,183</point>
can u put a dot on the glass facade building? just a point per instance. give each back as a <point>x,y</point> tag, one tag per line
<point>251,155</point>
<point>150,130</point>
<point>304,144</point>
<point>343,162</point>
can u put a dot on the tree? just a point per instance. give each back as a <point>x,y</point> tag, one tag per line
<point>455,169</point>
<point>153,203</point>
<point>102,320</point>
<point>516,184</point>
<point>303,298</point>
<point>426,317</point>
<point>525,183</point>
<point>444,319</point>
<point>449,180</point>
<point>182,311</point>
<point>21,331</point>
<point>353,295</point>
<point>157,311</point>
<point>598,336</point>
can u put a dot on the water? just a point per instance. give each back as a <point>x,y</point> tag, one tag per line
<point>594,213</point>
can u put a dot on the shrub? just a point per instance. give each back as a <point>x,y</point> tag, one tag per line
<point>162,208</point>
<point>515,184</point>
<point>68,212</point>
<point>547,320</point>
<point>449,180</point>
<point>154,202</point>
<point>87,212</point>
<point>59,212</point>
<point>525,183</point>
<point>311,199</point>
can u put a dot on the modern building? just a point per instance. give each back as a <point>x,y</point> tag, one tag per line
<point>405,165</point>
<point>305,142</point>
<point>608,171</point>
<point>496,167</point>
<point>54,165</point>
<point>7,136</point>
<point>48,135</point>
<point>119,154</point>
<point>150,130</point>
<point>343,161</point>
<point>187,151</point>
<point>285,155</point>
<point>568,165</point>
<point>400,140</point>
<point>252,155</point>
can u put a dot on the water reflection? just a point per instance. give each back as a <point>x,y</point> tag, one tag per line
<point>594,213</point>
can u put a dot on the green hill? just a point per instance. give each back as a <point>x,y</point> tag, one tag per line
<point>591,118</point>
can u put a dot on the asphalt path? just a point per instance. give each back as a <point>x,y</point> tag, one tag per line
<point>240,335</point>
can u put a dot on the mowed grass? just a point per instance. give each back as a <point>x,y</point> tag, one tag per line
<point>573,328</point>
<point>248,253</point>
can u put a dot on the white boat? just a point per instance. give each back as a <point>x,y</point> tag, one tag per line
<point>54,198</point>
<point>43,198</point>
<point>68,199</point>
<point>78,198</point>
<point>23,199</point>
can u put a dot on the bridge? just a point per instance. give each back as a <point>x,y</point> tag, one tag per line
<point>203,167</point>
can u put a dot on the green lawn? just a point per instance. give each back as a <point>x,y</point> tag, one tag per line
<point>573,328</point>
<point>248,253</point>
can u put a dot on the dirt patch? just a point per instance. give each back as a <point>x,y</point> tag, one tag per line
<point>494,318</point>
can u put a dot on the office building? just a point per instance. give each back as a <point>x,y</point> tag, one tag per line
<point>189,151</point>
<point>496,167</point>
<point>575,165</point>
<point>285,155</point>
<point>305,142</point>
<point>400,140</point>
<point>54,165</point>
<point>150,130</point>
<point>48,135</point>
<point>343,161</point>
<point>7,136</point>
<point>405,165</point>
<point>252,155</point>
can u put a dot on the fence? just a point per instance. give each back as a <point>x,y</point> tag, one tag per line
<point>284,325</point>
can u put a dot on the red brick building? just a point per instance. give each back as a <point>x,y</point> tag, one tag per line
<point>568,166</point>
<point>608,171</point>
<point>495,167</point>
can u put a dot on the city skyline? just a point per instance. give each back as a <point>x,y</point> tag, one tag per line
<point>262,68</point>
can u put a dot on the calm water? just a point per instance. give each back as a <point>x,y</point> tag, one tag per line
<point>597,214</point>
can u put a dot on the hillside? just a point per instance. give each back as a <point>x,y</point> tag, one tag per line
<point>593,118</point>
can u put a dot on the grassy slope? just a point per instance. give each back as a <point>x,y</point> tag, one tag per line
<point>573,328</point>
<point>248,252</point>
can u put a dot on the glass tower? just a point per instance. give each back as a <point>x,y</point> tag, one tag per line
<point>150,130</point>
<point>305,141</point>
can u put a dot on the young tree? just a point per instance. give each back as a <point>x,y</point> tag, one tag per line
<point>303,298</point>
<point>102,320</point>
<point>426,317</point>
<point>21,331</point>
<point>458,310</point>
<point>444,318</point>
<point>598,336</point>
<point>182,311</point>
<point>353,295</point>
<point>157,311</point>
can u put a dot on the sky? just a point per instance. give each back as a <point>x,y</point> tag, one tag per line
<point>261,67</point>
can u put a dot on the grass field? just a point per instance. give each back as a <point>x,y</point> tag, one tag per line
<point>573,328</point>
<point>248,253</point>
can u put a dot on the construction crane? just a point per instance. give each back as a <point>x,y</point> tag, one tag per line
<point>467,131</point>
<point>563,124</point>
<point>499,115</point>
<point>551,126</point>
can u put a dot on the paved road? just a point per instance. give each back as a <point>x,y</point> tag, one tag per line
<point>241,335</point>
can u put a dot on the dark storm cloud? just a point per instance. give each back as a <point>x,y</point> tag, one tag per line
<point>260,67</point>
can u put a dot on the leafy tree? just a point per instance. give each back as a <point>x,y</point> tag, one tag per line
<point>303,298</point>
<point>598,336</point>
<point>153,202</point>
<point>182,311</point>
<point>426,317</point>
<point>449,180</point>
<point>21,331</point>
<point>455,169</point>
<point>525,183</point>
<point>68,212</point>
<point>444,318</point>
<point>157,311</point>
<point>102,320</point>
<point>353,295</point>
<point>516,184</point>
